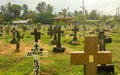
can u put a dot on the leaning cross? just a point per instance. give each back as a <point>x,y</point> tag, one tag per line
<point>90,57</point>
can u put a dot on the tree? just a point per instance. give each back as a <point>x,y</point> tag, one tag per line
<point>25,9</point>
<point>16,11</point>
<point>94,15</point>
<point>1,18</point>
<point>49,8</point>
<point>45,18</point>
<point>3,9</point>
<point>31,15</point>
<point>43,7</point>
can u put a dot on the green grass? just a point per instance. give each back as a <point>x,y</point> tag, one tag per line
<point>54,64</point>
<point>12,64</point>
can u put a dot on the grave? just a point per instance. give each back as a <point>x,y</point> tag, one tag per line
<point>1,30</point>
<point>50,31</point>
<point>35,33</point>
<point>54,41</point>
<point>36,52</point>
<point>16,39</point>
<point>58,47</point>
<point>91,57</point>
<point>75,41</point>
<point>106,68</point>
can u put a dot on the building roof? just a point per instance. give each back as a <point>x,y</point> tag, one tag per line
<point>22,21</point>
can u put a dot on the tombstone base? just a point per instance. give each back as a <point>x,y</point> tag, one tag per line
<point>74,42</point>
<point>58,49</point>
<point>108,68</point>
<point>54,42</point>
<point>17,50</point>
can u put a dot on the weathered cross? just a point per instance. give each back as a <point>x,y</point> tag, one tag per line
<point>36,35</point>
<point>75,29</point>
<point>58,47</point>
<point>90,57</point>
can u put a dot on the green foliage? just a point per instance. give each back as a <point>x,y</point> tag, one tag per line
<point>93,15</point>
<point>59,23</point>
<point>43,7</point>
<point>45,18</point>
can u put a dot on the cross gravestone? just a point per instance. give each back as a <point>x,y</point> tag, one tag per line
<point>75,41</point>
<point>50,31</point>
<point>16,39</point>
<point>54,41</point>
<point>1,30</point>
<point>106,68</point>
<point>90,57</point>
<point>58,47</point>
<point>36,34</point>
<point>36,52</point>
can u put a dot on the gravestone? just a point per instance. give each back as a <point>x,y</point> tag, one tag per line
<point>75,41</point>
<point>17,41</point>
<point>58,47</point>
<point>36,34</point>
<point>13,41</point>
<point>50,31</point>
<point>54,41</point>
<point>106,68</point>
<point>1,30</point>
<point>36,52</point>
<point>91,57</point>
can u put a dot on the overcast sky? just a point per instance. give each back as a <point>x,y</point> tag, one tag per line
<point>107,6</point>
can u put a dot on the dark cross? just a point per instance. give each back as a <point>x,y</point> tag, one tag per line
<point>36,34</point>
<point>50,31</point>
<point>13,41</point>
<point>17,41</point>
<point>1,30</point>
<point>103,40</point>
<point>58,47</point>
<point>54,41</point>
<point>90,57</point>
<point>107,68</point>
<point>74,41</point>
<point>75,33</point>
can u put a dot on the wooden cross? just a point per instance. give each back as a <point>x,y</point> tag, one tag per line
<point>36,35</point>
<point>90,57</point>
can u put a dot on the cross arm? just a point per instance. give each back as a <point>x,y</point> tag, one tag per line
<point>104,57</point>
<point>78,58</point>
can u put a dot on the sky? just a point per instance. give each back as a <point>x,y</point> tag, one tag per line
<point>107,6</point>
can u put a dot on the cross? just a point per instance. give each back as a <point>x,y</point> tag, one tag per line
<point>58,47</point>
<point>36,35</point>
<point>90,57</point>
<point>75,29</point>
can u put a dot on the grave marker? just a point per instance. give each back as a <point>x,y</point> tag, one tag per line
<point>90,57</point>
<point>36,34</point>
<point>50,31</point>
<point>54,41</point>
<point>36,52</point>
<point>58,47</point>
<point>74,41</point>
<point>1,30</point>
<point>107,68</point>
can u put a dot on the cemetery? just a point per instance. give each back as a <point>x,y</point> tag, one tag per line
<point>42,42</point>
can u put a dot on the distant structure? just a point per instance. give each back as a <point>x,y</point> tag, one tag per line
<point>28,21</point>
<point>63,18</point>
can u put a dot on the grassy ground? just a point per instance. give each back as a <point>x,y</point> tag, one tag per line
<point>55,64</point>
